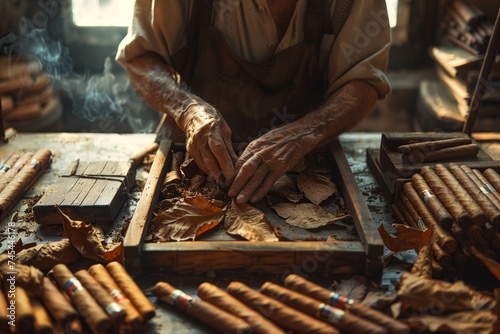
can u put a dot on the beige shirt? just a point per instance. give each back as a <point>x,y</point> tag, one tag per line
<point>360,50</point>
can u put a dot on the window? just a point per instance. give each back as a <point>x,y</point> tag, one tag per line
<point>99,13</point>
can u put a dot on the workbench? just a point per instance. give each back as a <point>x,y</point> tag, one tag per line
<point>67,147</point>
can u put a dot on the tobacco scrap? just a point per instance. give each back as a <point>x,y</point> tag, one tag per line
<point>46,256</point>
<point>248,222</point>
<point>307,215</point>
<point>28,277</point>
<point>479,322</point>
<point>286,187</point>
<point>316,187</point>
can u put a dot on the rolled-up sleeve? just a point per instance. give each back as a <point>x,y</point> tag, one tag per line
<point>158,26</point>
<point>361,49</point>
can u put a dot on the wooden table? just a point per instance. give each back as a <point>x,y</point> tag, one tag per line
<point>67,147</point>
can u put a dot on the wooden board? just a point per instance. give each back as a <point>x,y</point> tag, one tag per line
<point>362,255</point>
<point>93,192</point>
<point>392,171</point>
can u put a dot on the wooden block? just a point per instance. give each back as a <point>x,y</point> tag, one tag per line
<point>94,193</point>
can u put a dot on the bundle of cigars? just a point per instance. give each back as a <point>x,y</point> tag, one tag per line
<point>438,150</point>
<point>25,89</point>
<point>102,299</point>
<point>300,306</point>
<point>462,205</point>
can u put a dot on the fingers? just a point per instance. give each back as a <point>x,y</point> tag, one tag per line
<point>245,171</point>
<point>220,156</point>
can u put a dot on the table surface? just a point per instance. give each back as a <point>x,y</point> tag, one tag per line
<point>67,147</point>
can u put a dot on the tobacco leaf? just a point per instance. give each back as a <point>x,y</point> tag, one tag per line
<point>190,169</point>
<point>422,293</point>
<point>46,256</point>
<point>316,187</point>
<point>85,238</point>
<point>492,265</point>
<point>354,288</point>
<point>248,222</point>
<point>478,322</point>
<point>423,264</point>
<point>306,215</point>
<point>286,187</point>
<point>186,218</point>
<point>28,277</point>
<point>408,238</point>
<point>379,300</point>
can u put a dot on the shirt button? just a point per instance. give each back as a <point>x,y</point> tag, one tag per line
<point>262,9</point>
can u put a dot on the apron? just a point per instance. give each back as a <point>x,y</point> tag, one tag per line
<point>253,98</point>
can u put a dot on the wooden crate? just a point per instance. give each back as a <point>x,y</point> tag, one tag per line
<point>392,171</point>
<point>363,256</point>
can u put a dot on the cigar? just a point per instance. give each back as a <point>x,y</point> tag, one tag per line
<point>477,214</point>
<point>201,310</point>
<point>458,232</point>
<point>11,160</point>
<point>464,151</point>
<point>406,214</point>
<point>112,308</point>
<point>482,200</point>
<point>4,313</point>
<point>86,305</point>
<point>132,318</point>
<point>443,258</point>
<point>16,168</point>
<point>57,304</point>
<point>18,185</point>
<point>423,264</point>
<point>474,233</point>
<point>344,321</point>
<point>484,247</point>
<point>131,290</point>
<point>24,112</point>
<point>430,146</point>
<point>493,178</point>
<point>437,209</point>
<point>138,157</point>
<point>301,285</point>
<point>23,313</point>
<point>20,82</point>
<point>220,298</point>
<point>283,315</point>
<point>43,324</point>
<point>437,270</point>
<point>446,196</point>
<point>417,207</point>
<point>7,104</point>
<point>488,188</point>
<point>174,176</point>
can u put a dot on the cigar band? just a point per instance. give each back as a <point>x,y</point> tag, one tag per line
<point>113,308</point>
<point>487,188</point>
<point>330,313</point>
<point>73,285</point>
<point>17,167</point>
<point>426,194</point>
<point>117,295</point>
<point>339,300</point>
<point>5,168</point>
<point>36,164</point>
<point>179,299</point>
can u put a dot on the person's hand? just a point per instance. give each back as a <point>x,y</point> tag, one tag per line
<point>208,140</point>
<point>264,160</point>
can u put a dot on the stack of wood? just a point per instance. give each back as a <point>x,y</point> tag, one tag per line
<point>468,27</point>
<point>26,91</point>
<point>461,205</point>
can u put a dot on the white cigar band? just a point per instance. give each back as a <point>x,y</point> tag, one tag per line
<point>339,300</point>
<point>113,308</point>
<point>118,296</point>
<point>426,194</point>
<point>179,299</point>
<point>330,313</point>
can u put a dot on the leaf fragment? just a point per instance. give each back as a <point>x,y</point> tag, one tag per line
<point>46,256</point>
<point>306,215</point>
<point>316,187</point>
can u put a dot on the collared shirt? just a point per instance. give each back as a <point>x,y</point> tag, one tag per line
<point>360,51</point>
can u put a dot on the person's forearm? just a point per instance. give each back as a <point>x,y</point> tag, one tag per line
<point>340,112</point>
<point>156,83</point>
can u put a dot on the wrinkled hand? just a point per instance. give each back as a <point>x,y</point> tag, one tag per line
<point>208,140</point>
<point>264,161</point>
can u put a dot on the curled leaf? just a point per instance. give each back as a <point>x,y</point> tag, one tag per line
<point>186,219</point>
<point>306,215</point>
<point>479,322</point>
<point>46,256</point>
<point>248,222</point>
<point>316,187</point>
<point>27,277</point>
<point>286,187</point>
<point>85,238</point>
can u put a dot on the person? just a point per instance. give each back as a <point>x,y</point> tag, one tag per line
<point>286,76</point>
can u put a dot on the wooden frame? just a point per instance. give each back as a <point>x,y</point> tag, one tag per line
<point>363,257</point>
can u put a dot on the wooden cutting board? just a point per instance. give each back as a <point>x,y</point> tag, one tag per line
<point>90,191</point>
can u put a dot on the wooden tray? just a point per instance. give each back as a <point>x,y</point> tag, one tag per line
<point>392,171</point>
<point>362,256</point>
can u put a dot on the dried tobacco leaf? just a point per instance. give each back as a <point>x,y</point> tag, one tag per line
<point>423,264</point>
<point>408,238</point>
<point>248,222</point>
<point>286,187</point>
<point>306,215</point>
<point>46,256</point>
<point>354,288</point>
<point>423,293</point>
<point>85,238</point>
<point>29,277</point>
<point>186,218</point>
<point>478,322</point>
<point>316,187</point>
